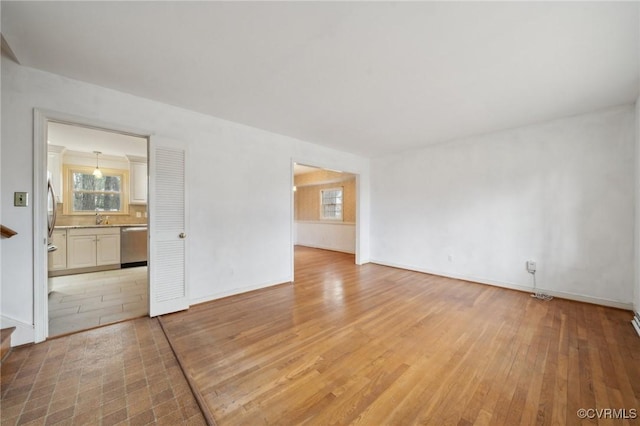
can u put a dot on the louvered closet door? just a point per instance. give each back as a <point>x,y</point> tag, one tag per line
<point>167,228</point>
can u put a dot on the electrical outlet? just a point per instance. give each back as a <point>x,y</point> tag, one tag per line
<point>21,199</point>
<point>138,214</point>
<point>531,266</point>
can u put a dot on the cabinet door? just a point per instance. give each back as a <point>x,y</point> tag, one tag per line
<point>108,249</point>
<point>81,251</point>
<point>58,258</point>
<point>138,172</point>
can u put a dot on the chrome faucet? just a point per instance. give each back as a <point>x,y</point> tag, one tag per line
<point>99,218</point>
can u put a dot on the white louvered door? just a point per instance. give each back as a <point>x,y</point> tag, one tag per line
<point>167,226</point>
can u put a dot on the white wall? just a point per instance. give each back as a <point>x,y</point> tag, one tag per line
<point>560,193</point>
<point>239,185</point>
<point>337,236</point>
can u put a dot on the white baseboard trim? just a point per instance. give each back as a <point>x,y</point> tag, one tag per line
<point>636,322</point>
<point>239,290</point>
<point>23,334</point>
<point>316,246</point>
<point>513,286</point>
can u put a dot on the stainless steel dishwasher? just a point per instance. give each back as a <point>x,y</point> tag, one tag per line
<point>133,246</point>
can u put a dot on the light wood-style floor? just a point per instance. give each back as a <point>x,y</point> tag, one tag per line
<point>374,345</point>
<point>83,301</point>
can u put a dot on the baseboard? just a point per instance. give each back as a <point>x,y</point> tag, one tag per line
<point>513,286</point>
<point>76,271</point>
<point>636,322</point>
<point>239,290</point>
<point>24,332</point>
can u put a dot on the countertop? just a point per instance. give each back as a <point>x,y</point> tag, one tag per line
<point>111,225</point>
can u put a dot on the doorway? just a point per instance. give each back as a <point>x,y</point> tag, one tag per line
<point>42,208</point>
<point>98,184</point>
<point>325,209</point>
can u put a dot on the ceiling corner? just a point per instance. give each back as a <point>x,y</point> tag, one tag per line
<point>7,51</point>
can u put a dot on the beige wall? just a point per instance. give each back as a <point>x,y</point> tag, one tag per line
<point>307,196</point>
<point>72,220</point>
<point>321,176</point>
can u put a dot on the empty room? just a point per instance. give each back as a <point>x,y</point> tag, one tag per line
<point>373,213</point>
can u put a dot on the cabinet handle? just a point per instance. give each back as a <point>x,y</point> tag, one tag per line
<point>182,235</point>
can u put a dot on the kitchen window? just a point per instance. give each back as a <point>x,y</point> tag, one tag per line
<point>331,204</point>
<point>87,194</point>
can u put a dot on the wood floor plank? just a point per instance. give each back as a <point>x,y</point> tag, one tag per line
<point>373,345</point>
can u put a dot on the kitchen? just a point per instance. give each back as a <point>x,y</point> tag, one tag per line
<point>97,260</point>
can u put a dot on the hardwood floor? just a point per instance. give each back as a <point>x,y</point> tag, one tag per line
<point>367,345</point>
<point>374,345</point>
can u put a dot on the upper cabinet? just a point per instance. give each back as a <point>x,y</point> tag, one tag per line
<point>138,179</point>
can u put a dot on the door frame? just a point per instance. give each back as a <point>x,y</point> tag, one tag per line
<point>41,119</point>
<point>359,221</point>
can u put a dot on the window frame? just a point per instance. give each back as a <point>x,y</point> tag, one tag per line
<point>67,205</point>
<point>322,204</point>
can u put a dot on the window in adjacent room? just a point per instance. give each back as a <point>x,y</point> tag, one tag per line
<point>88,194</point>
<point>331,204</point>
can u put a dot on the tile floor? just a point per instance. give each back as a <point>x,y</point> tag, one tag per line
<point>79,302</point>
<point>123,374</point>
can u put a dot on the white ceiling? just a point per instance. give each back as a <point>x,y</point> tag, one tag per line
<point>300,169</point>
<point>366,77</point>
<point>83,139</point>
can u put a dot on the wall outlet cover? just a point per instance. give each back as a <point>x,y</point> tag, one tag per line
<point>531,266</point>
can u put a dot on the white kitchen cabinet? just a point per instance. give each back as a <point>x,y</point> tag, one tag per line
<point>89,247</point>
<point>58,258</point>
<point>81,251</point>
<point>108,249</point>
<point>138,180</point>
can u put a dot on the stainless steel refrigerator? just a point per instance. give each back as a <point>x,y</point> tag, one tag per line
<point>52,206</point>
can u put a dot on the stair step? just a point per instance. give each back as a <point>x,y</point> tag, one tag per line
<point>5,341</point>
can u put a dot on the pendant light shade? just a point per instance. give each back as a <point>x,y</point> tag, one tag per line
<point>97,172</point>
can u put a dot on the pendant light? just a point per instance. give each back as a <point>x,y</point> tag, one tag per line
<point>97,172</point>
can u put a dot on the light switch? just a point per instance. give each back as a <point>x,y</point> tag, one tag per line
<point>21,199</point>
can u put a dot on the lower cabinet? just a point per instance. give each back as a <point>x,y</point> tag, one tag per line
<point>108,249</point>
<point>87,247</point>
<point>58,258</point>
<point>81,251</point>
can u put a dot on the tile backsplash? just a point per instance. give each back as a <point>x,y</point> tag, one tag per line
<point>73,220</point>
